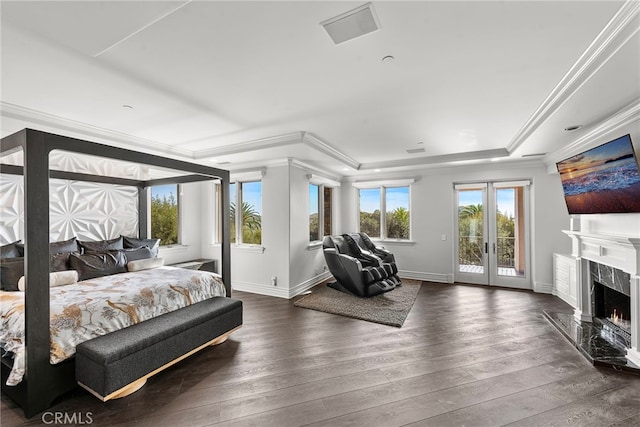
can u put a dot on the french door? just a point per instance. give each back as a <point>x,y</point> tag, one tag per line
<point>492,234</point>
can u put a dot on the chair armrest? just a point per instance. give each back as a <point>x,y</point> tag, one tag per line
<point>351,260</point>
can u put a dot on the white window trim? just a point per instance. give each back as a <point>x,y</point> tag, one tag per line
<point>321,180</point>
<point>180,243</point>
<point>313,244</point>
<point>246,178</point>
<point>382,186</point>
<point>385,183</point>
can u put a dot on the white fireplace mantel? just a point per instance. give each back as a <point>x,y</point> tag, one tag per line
<point>617,251</point>
<point>620,252</point>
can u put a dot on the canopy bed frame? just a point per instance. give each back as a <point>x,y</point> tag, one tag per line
<point>44,381</point>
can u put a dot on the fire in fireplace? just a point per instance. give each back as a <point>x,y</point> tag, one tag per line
<point>613,310</point>
<point>619,319</point>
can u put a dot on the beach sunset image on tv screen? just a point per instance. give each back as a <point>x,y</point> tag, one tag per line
<point>604,179</point>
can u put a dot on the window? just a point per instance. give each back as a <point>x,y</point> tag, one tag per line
<point>320,208</point>
<point>397,212</point>
<point>370,211</point>
<point>391,199</point>
<point>246,227</point>
<point>314,212</point>
<point>165,214</point>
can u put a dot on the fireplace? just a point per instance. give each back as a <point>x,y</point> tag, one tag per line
<point>606,319</point>
<point>611,302</point>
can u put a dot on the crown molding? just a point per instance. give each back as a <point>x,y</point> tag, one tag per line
<point>256,144</point>
<point>314,170</point>
<point>618,120</point>
<point>615,34</point>
<point>445,158</point>
<point>86,131</point>
<point>319,145</point>
<point>439,168</point>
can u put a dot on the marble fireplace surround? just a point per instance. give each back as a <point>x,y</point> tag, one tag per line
<point>619,252</point>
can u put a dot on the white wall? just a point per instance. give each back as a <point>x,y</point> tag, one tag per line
<point>432,216</point>
<point>253,266</point>
<point>285,252</point>
<point>307,264</point>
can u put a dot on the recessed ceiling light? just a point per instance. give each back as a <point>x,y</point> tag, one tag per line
<point>129,107</point>
<point>345,169</point>
<point>572,128</point>
<point>495,159</point>
<point>388,58</point>
<point>376,170</point>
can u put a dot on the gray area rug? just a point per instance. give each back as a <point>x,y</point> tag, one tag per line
<point>390,308</point>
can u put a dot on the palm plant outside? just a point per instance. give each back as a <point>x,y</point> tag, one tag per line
<point>251,224</point>
<point>471,239</point>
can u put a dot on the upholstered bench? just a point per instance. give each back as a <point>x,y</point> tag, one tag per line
<point>119,363</point>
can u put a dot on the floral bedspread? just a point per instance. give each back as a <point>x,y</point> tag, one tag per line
<point>95,307</point>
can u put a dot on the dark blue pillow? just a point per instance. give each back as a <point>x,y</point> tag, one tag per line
<point>134,254</point>
<point>134,242</point>
<point>11,270</point>
<point>102,245</point>
<point>70,245</point>
<point>11,250</point>
<point>98,264</point>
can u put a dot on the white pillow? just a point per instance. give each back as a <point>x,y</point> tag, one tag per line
<point>145,264</point>
<point>56,278</point>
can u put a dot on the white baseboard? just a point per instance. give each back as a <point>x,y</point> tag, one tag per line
<point>543,288</point>
<point>427,277</point>
<point>308,284</point>
<point>258,288</point>
<point>283,292</point>
<point>280,291</point>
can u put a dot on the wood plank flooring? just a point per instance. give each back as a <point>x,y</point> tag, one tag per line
<point>466,355</point>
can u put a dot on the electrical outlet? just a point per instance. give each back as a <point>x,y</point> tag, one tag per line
<point>274,280</point>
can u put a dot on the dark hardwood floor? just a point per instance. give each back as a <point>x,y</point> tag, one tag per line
<point>466,355</point>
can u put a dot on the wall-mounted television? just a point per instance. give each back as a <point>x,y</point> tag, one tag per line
<point>604,179</point>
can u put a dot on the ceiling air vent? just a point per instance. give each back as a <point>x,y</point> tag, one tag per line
<point>415,151</point>
<point>354,23</point>
<point>534,155</point>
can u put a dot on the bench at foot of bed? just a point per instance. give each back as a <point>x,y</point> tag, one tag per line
<point>118,364</point>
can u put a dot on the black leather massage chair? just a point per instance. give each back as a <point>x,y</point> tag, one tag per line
<point>356,270</point>
<point>387,259</point>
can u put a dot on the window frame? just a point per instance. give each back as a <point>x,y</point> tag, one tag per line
<point>179,202</point>
<point>383,186</point>
<point>321,211</point>
<point>239,183</point>
<point>321,182</point>
<point>245,176</point>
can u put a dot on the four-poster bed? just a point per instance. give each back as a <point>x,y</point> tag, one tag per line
<point>44,381</point>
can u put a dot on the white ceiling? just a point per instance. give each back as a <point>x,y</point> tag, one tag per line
<point>254,82</point>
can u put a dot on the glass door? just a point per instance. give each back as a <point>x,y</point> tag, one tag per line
<point>472,261</point>
<point>492,234</point>
<point>509,238</point>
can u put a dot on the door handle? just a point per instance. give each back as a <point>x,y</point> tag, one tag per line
<point>486,247</point>
<point>494,248</point>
